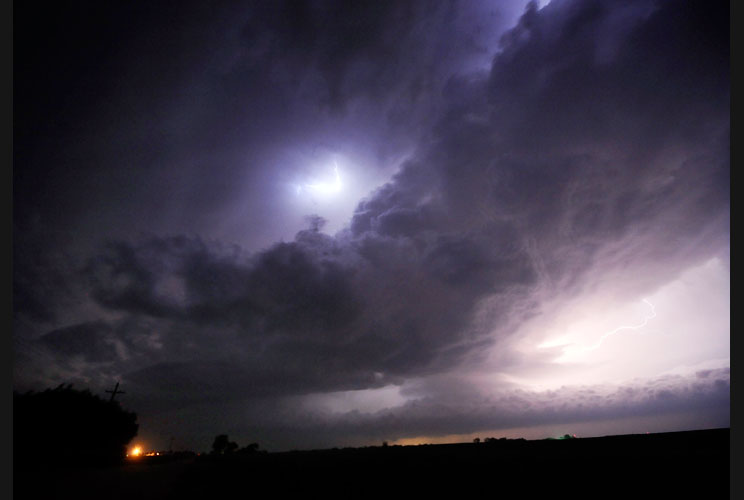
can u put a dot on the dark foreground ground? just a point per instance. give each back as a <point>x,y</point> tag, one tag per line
<point>692,464</point>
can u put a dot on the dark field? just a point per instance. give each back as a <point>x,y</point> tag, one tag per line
<point>693,464</point>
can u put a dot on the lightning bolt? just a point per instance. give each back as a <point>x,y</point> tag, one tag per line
<point>326,187</point>
<point>597,344</point>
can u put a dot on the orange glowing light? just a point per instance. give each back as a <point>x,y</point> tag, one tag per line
<point>136,451</point>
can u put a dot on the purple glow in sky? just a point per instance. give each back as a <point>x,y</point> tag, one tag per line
<point>326,223</point>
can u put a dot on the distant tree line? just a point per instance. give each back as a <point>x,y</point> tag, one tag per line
<point>494,440</point>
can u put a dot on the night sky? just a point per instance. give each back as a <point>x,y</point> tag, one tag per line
<point>329,223</point>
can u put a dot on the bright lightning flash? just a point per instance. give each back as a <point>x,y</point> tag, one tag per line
<point>597,344</point>
<point>576,348</point>
<point>323,188</point>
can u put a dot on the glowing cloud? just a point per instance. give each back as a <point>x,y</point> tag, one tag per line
<point>576,348</point>
<point>323,188</point>
<point>621,328</point>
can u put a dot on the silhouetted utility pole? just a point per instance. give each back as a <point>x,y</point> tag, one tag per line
<point>115,392</point>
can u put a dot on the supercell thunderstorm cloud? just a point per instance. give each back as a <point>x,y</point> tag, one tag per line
<point>315,224</point>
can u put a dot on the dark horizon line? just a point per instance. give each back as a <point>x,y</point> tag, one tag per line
<point>482,442</point>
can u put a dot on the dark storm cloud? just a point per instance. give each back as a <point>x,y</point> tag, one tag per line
<point>35,279</point>
<point>335,38</point>
<point>315,314</point>
<point>388,52</point>
<point>287,288</point>
<point>453,226</point>
<point>117,105</point>
<point>45,276</point>
<point>597,144</point>
<point>88,340</point>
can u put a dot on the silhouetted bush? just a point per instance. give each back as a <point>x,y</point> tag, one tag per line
<point>70,426</point>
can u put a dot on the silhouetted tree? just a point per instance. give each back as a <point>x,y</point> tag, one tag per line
<point>476,440</point>
<point>249,450</point>
<point>223,446</point>
<point>70,426</point>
